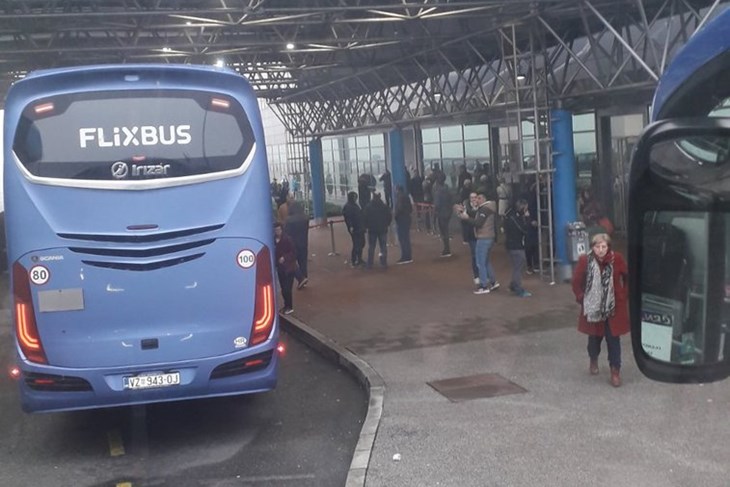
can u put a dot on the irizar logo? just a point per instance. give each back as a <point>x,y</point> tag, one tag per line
<point>120,170</point>
<point>135,136</point>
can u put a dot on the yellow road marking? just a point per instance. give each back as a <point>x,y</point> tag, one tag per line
<point>116,446</point>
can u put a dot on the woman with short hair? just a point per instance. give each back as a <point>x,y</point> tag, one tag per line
<point>600,285</point>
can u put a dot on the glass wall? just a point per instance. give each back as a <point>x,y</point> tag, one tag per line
<point>449,147</point>
<point>347,157</point>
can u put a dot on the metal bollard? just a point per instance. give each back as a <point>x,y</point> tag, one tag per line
<point>332,237</point>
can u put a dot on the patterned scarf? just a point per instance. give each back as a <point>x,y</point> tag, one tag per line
<point>599,300</point>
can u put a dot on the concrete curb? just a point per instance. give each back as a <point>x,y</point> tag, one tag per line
<point>368,378</point>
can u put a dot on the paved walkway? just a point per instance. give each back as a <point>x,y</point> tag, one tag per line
<point>419,323</point>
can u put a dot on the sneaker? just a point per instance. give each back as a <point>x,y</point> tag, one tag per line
<point>524,294</point>
<point>303,283</point>
<point>406,261</point>
<point>530,271</point>
<point>481,290</point>
<point>288,311</point>
<point>476,281</point>
<point>494,286</point>
<point>445,254</point>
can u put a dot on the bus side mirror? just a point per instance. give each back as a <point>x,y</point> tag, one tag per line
<point>679,251</point>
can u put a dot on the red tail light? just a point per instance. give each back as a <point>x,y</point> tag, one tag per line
<point>25,325</point>
<point>265,310</point>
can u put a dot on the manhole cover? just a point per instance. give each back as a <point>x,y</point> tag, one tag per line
<point>475,387</point>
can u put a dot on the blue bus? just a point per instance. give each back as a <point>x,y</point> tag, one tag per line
<point>139,236</point>
<point>679,217</point>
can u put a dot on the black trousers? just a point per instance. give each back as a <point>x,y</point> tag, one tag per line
<point>286,281</point>
<point>613,344</point>
<point>358,244</point>
<point>443,222</point>
<point>301,271</point>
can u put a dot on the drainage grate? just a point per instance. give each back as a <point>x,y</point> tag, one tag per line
<point>475,387</point>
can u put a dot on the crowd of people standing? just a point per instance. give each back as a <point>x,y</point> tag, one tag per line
<point>487,212</point>
<point>484,210</point>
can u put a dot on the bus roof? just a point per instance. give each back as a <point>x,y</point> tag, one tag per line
<point>708,43</point>
<point>137,66</point>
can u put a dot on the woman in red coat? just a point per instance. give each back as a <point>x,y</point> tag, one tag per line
<point>600,285</point>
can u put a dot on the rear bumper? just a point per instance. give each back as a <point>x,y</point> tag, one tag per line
<point>105,386</point>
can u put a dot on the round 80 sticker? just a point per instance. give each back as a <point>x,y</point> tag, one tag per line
<point>246,259</point>
<point>39,275</point>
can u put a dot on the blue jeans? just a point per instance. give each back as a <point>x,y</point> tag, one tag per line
<point>486,273</point>
<point>518,259</point>
<point>613,344</point>
<point>380,238</point>
<point>473,249</point>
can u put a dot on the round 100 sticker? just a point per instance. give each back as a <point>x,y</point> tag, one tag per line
<point>246,259</point>
<point>39,275</point>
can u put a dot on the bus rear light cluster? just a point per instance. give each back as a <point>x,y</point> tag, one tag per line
<point>25,325</point>
<point>265,308</point>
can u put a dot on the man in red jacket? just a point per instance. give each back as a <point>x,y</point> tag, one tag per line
<point>286,266</point>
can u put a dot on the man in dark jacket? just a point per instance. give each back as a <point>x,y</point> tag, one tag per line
<point>296,226</point>
<point>355,226</point>
<point>387,180</point>
<point>377,219</point>
<point>516,226</point>
<point>363,190</point>
<point>442,206</point>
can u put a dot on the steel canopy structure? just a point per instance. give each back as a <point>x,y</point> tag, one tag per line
<point>333,65</point>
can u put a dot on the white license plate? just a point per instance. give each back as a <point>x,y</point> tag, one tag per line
<point>150,381</point>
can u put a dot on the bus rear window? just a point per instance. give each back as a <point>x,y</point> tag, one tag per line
<point>133,135</point>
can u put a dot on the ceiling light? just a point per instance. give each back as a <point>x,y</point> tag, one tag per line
<point>220,63</point>
<point>166,49</point>
<point>290,45</point>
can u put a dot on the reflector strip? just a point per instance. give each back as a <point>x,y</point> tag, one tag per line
<point>220,103</point>
<point>43,108</point>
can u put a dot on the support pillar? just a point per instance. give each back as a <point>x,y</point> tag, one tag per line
<point>316,166</point>
<point>397,159</point>
<point>563,186</point>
